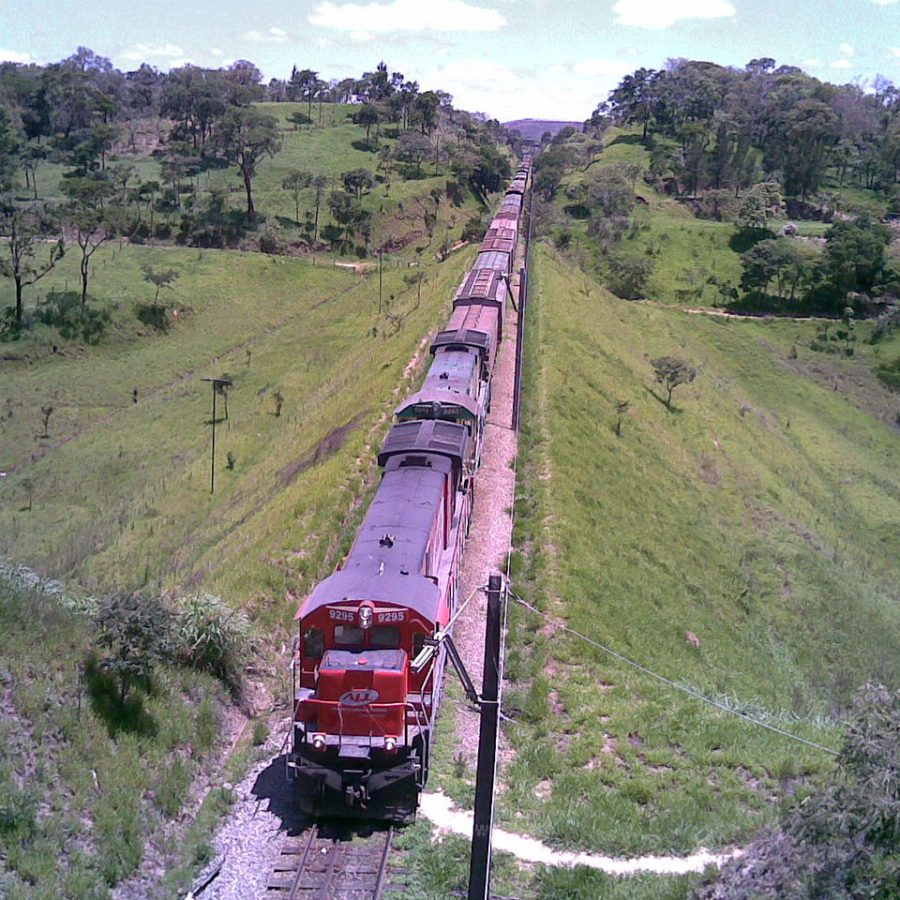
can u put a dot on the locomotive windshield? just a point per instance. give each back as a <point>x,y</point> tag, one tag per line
<point>384,637</point>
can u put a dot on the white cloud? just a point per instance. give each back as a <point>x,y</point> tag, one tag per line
<point>846,50</point>
<point>604,68</point>
<point>406,15</point>
<point>841,64</point>
<point>568,92</point>
<point>150,52</point>
<point>886,2</point>
<point>270,36</point>
<point>894,51</point>
<point>361,36</point>
<point>216,51</point>
<point>665,13</point>
<point>811,64</point>
<point>14,56</point>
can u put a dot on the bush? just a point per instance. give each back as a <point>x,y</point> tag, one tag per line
<point>210,636</point>
<point>65,311</point>
<point>841,840</point>
<point>133,634</point>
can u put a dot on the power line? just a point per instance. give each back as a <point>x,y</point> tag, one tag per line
<point>668,681</point>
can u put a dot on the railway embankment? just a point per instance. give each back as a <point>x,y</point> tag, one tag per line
<point>736,543</point>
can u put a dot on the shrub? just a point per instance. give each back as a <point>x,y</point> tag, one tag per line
<point>65,311</point>
<point>210,636</point>
<point>840,840</point>
<point>133,634</point>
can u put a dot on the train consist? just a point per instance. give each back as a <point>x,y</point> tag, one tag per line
<point>369,664</point>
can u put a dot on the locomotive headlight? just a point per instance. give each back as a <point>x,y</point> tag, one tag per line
<point>318,742</point>
<point>390,744</point>
<point>365,617</point>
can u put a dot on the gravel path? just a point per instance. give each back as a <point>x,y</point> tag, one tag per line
<point>491,525</point>
<point>263,814</point>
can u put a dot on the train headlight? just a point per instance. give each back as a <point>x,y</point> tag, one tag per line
<point>365,617</point>
<point>390,744</point>
<point>318,742</point>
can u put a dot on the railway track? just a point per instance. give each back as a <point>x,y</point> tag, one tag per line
<point>322,866</point>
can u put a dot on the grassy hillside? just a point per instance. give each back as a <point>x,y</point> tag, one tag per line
<point>114,496</point>
<point>759,513</point>
<point>85,784</point>
<point>119,492</point>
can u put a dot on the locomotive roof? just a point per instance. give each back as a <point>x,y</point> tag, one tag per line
<point>462,337</point>
<point>425,436</point>
<point>429,396</point>
<point>452,368</point>
<point>387,555</point>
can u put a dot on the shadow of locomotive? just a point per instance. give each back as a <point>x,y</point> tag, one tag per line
<point>272,785</point>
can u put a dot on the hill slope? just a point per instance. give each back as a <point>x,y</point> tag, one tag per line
<point>756,514</point>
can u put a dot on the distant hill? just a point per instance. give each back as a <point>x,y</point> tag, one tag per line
<point>533,129</point>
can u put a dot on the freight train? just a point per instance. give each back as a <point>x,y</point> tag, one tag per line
<point>368,668</point>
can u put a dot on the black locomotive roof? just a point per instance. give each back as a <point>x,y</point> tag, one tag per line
<point>462,337</point>
<point>425,436</point>
<point>438,398</point>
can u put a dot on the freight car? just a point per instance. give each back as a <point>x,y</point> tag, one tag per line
<point>370,655</point>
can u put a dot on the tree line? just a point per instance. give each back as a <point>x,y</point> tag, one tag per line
<point>742,147</point>
<point>727,129</point>
<point>83,113</point>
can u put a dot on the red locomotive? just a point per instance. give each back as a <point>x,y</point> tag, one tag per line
<point>369,665</point>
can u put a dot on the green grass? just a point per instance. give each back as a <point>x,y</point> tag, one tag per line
<point>121,490</point>
<point>77,804</point>
<point>757,513</point>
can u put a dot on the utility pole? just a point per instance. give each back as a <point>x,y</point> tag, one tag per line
<point>218,384</point>
<point>380,268</point>
<point>480,864</point>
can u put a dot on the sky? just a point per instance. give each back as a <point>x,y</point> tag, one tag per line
<point>511,59</point>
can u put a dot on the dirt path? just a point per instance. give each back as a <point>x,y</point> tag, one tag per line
<point>438,809</point>
<point>491,525</point>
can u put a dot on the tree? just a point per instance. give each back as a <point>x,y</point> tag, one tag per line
<point>672,372</point>
<point>305,83</point>
<point>46,412</point>
<point>413,148</point>
<point>132,634</point>
<point>24,234</point>
<point>426,110</point>
<point>295,183</point>
<point>367,116</point>
<point>92,222</point>
<point>838,839</point>
<point>358,181</point>
<point>629,273</point>
<point>319,183</point>
<point>244,137</point>
<point>164,278</point>
<point>760,204</point>
<point>854,255</point>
